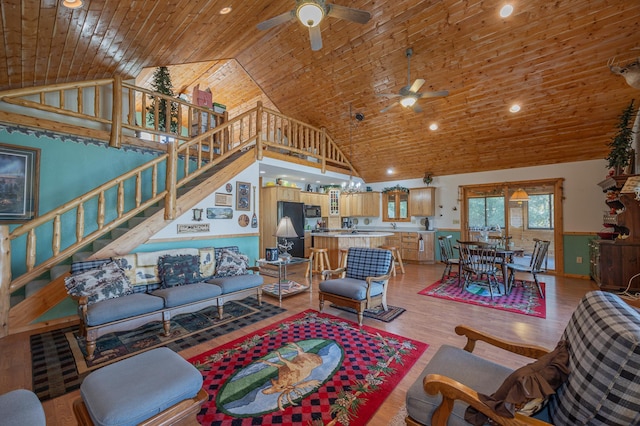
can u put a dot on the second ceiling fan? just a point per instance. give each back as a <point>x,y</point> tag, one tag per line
<point>409,94</point>
<point>311,12</point>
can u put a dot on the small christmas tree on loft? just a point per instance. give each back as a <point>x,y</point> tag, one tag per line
<point>621,153</point>
<point>162,84</point>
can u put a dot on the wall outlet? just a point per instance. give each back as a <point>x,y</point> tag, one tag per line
<point>579,259</point>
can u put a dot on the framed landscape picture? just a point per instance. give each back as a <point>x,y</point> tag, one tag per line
<point>222,199</point>
<point>19,179</point>
<point>243,196</point>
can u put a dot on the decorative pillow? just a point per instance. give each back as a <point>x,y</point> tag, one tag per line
<point>231,264</point>
<point>179,270</point>
<point>77,267</point>
<point>527,389</point>
<point>207,261</point>
<point>106,282</point>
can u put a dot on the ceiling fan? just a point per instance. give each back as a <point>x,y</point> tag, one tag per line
<point>409,94</point>
<point>311,12</point>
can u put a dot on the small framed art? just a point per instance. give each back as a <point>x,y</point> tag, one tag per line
<point>243,196</point>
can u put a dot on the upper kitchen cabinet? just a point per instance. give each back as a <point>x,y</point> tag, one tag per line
<point>422,201</point>
<point>395,206</point>
<point>360,204</point>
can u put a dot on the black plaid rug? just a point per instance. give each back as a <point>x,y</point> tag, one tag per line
<point>376,313</point>
<point>57,360</point>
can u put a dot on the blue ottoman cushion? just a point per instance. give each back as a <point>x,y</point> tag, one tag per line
<point>21,407</point>
<point>237,283</point>
<point>130,391</point>
<point>189,293</point>
<point>350,287</point>
<point>122,307</point>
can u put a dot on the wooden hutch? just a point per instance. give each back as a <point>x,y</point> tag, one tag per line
<point>614,262</point>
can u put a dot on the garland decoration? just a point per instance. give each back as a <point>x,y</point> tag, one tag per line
<point>395,188</point>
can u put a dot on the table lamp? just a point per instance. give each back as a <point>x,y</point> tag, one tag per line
<point>285,230</point>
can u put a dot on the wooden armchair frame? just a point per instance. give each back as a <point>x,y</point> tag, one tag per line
<point>451,389</point>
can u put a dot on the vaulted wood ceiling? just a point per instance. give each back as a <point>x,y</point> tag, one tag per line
<point>549,56</point>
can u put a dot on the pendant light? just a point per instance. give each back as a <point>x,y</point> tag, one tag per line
<point>520,195</point>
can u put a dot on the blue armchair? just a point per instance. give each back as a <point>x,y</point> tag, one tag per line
<point>365,281</point>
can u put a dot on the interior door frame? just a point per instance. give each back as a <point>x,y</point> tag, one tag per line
<point>509,187</point>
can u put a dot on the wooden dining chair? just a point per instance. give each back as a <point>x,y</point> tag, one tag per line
<point>535,266</point>
<point>446,255</point>
<point>479,261</point>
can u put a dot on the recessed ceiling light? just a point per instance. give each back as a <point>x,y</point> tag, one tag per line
<point>514,108</point>
<point>262,172</point>
<point>506,11</point>
<point>389,171</point>
<point>303,179</point>
<point>225,10</point>
<point>72,4</point>
<point>317,181</point>
<point>433,126</point>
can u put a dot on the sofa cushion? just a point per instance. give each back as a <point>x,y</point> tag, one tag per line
<point>138,275</point>
<point>21,407</point>
<point>367,262</point>
<point>350,287</point>
<point>237,283</point>
<point>231,264</point>
<point>122,307</point>
<point>85,265</point>
<point>182,295</point>
<point>478,373</point>
<point>527,389</point>
<point>179,270</point>
<point>105,282</point>
<point>603,337</point>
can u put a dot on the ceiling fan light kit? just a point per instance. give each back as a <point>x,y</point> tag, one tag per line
<point>310,13</point>
<point>72,4</point>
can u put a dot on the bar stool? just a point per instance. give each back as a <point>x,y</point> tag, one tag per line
<point>396,258</point>
<point>318,261</point>
<point>342,260</point>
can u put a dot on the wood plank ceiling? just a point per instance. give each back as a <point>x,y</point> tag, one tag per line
<point>549,56</point>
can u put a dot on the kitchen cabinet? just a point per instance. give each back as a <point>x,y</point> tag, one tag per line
<point>395,206</point>
<point>269,197</point>
<point>614,262</point>
<point>422,201</point>
<point>316,199</point>
<point>360,204</point>
<point>409,245</point>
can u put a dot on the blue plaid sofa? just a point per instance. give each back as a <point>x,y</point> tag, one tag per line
<point>365,280</point>
<point>154,286</point>
<point>602,339</point>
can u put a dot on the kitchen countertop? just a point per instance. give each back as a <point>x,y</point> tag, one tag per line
<point>373,229</point>
<point>348,234</point>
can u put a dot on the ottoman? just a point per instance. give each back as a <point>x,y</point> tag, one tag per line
<point>154,387</point>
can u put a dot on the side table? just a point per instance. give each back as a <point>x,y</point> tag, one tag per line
<point>284,287</point>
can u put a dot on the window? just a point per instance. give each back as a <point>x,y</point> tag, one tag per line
<point>540,211</point>
<point>486,212</point>
<point>395,205</point>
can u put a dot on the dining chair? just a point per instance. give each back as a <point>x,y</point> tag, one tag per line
<point>538,256</point>
<point>500,240</point>
<point>478,261</point>
<point>446,255</point>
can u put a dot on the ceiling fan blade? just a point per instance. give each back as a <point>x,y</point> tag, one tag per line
<point>416,85</point>
<point>277,20</point>
<point>435,94</point>
<point>316,37</point>
<point>388,95</point>
<point>389,107</point>
<point>348,13</point>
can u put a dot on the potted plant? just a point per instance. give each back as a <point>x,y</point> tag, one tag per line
<point>621,153</point>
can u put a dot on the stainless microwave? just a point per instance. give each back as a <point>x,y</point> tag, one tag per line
<point>312,211</point>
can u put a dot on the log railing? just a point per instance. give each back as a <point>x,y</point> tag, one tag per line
<point>200,140</point>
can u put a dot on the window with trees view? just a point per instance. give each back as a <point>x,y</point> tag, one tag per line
<point>540,211</point>
<point>486,211</point>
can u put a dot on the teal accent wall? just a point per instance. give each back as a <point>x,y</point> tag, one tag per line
<point>249,245</point>
<point>576,246</point>
<point>456,237</point>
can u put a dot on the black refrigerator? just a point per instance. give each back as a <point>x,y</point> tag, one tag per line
<point>295,211</point>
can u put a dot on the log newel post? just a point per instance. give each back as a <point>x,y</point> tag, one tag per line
<point>259,114</point>
<point>116,113</point>
<point>5,279</point>
<point>323,149</point>
<point>171,182</point>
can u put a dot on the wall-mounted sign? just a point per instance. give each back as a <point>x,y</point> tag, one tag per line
<point>192,228</point>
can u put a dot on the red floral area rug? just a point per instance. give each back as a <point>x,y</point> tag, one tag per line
<point>311,368</point>
<point>524,297</point>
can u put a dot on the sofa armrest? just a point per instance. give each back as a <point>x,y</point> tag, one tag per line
<point>451,390</point>
<point>473,336</point>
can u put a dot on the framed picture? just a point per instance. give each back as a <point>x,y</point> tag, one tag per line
<point>243,196</point>
<point>19,179</point>
<point>223,200</point>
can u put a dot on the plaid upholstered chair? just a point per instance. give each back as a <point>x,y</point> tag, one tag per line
<point>601,347</point>
<point>365,281</point>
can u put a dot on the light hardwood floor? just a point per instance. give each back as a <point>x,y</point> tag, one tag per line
<point>427,319</point>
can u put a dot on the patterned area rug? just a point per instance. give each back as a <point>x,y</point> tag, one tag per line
<point>57,356</point>
<point>310,368</point>
<point>524,297</point>
<point>377,313</point>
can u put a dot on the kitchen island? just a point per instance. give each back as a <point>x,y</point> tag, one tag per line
<point>334,241</point>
